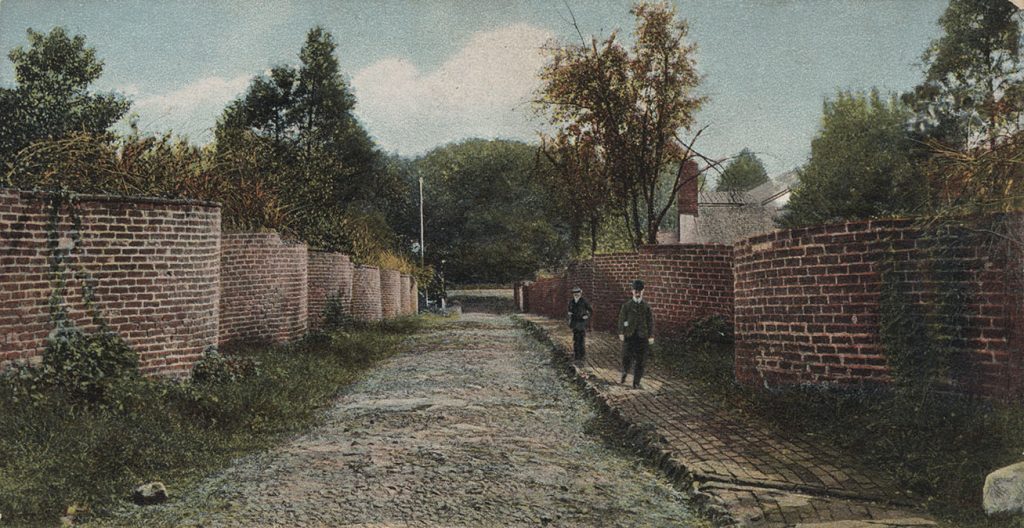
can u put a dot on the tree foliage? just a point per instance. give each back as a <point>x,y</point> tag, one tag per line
<point>742,173</point>
<point>487,215</point>
<point>863,164</point>
<point>974,85</point>
<point>629,106</point>
<point>297,127</point>
<point>51,99</point>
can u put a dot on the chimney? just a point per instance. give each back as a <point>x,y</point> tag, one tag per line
<point>687,204</point>
<point>687,197</point>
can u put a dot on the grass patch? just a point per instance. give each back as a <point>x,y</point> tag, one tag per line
<point>939,447</point>
<point>58,450</point>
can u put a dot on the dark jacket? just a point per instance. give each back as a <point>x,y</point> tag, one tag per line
<point>579,314</point>
<point>636,319</point>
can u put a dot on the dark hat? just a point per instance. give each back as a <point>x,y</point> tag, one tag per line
<point>638,285</point>
<point>577,289</point>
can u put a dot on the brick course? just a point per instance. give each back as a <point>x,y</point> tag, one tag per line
<point>366,302</point>
<point>263,288</point>
<point>330,277</point>
<point>154,264</point>
<point>808,304</point>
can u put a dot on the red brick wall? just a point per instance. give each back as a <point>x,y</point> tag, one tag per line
<point>155,265</point>
<point>549,297</point>
<point>390,293</point>
<point>687,282</point>
<point>330,277</point>
<point>808,305</point>
<point>683,283</point>
<point>414,298</point>
<point>612,275</point>
<point>366,304</point>
<point>405,293</point>
<point>263,288</point>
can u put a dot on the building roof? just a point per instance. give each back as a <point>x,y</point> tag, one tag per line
<point>765,194</point>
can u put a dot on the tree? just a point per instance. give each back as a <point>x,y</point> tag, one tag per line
<point>631,105</point>
<point>578,184</point>
<point>51,99</point>
<point>973,89</point>
<point>487,214</point>
<point>298,124</point>
<point>863,164</point>
<point>742,173</point>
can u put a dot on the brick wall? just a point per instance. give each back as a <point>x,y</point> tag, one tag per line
<point>612,275</point>
<point>263,288</point>
<point>405,293</point>
<point>330,277</point>
<point>686,282</point>
<point>366,303</point>
<point>414,298</point>
<point>549,297</point>
<point>683,283</point>
<point>390,293</point>
<point>808,304</point>
<point>154,263</point>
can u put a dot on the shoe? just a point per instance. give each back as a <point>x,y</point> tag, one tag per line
<point>637,386</point>
<point>623,380</point>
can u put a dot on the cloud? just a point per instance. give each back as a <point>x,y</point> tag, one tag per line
<point>483,90</point>
<point>191,109</point>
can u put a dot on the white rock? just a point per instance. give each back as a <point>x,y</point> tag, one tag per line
<point>1004,490</point>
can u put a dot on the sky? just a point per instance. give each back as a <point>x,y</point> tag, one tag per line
<point>430,72</point>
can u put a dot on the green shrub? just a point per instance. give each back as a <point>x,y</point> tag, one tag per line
<point>217,368</point>
<point>711,329</point>
<point>86,366</point>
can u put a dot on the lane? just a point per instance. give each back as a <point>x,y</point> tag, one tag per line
<point>471,427</point>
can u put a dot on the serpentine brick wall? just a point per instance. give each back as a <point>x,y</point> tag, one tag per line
<point>390,293</point>
<point>683,283</point>
<point>366,302</point>
<point>330,277</point>
<point>264,288</point>
<point>154,263</point>
<point>808,304</point>
<point>414,302</point>
<point>405,293</point>
<point>687,282</point>
<point>549,297</point>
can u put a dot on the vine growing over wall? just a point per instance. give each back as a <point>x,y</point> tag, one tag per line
<point>923,311</point>
<point>82,364</point>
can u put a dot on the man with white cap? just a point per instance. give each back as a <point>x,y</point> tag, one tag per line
<point>579,316</point>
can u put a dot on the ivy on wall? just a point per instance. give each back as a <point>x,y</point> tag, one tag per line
<point>82,364</point>
<point>923,312</point>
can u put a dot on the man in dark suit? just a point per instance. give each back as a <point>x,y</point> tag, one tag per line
<point>636,331</point>
<point>579,316</point>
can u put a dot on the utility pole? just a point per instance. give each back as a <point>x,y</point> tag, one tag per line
<point>423,246</point>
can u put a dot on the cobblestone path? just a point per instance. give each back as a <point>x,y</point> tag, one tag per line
<point>471,427</point>
<point>757,476</point>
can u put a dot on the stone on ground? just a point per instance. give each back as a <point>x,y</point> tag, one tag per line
<point>152,493</point>
<point>1004,490</point>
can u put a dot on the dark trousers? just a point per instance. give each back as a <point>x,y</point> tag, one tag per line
<point>634,354</point>
<point>579,347</point>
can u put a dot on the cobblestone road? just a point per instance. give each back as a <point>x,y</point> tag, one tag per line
<point>471,427</point>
